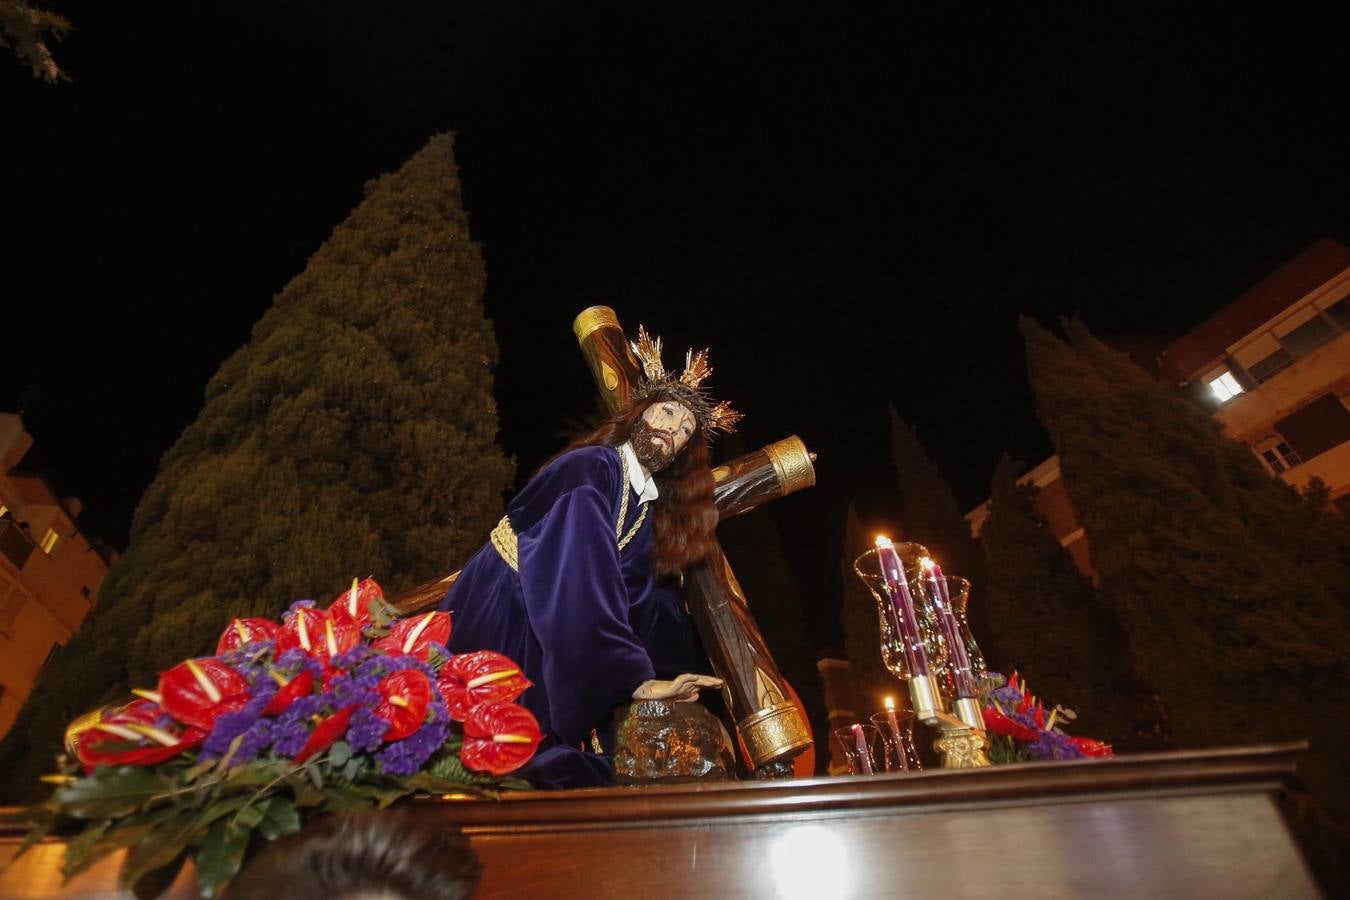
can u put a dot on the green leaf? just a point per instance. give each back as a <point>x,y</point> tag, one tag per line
<point>250,816</point>
<point>221,855</point>
<point>109,793</point>
<point>123,834</point>
<point>255,774</point>
<point>78,848</point>
<point>304,792</point>
<point>162,846</point>
<point>339,754</point>
<point>339,797</point>
<point>350,770</point>
<point>172,836</point>
<point>315,776</point>
<point>280,818</point>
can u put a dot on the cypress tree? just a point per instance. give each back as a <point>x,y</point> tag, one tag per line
<point>352,435</point>
<point>1047,622</point>
<point>933,518</point>
<point>1244,643</point>
<point>862,633</point>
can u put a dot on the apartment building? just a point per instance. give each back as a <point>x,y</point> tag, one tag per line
<point>50,572</point>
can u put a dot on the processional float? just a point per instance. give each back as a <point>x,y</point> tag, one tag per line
<point>770,725</point>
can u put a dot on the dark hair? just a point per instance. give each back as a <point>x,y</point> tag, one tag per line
<point>390,852</point>
<point>685,518</point>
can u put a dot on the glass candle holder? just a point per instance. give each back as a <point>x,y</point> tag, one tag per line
<point>896,727</point>
<point>862,748</point>
<point>959,590</point>
<point>903,642</point>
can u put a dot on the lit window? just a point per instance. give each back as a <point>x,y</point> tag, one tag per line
<point>1225,387</point>
<point>49,541</point>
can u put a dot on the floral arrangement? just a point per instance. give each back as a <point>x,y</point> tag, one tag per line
<point>1020,730</point>
<point>331,709</point>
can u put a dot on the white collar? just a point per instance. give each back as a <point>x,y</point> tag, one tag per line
<point>644,485</point>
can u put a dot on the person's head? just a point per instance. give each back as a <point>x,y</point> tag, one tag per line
<point>385,855</point>
<point>685,517</point>
<point>661,433</point>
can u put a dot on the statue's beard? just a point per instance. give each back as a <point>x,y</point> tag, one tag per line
<point>652,447</point>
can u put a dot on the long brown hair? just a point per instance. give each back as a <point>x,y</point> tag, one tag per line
<point>684,518</point>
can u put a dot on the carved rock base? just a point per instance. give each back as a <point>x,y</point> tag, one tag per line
<point>671,743</point>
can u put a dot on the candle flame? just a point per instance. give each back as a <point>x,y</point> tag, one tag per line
<point>883,541</point>
<point>890,702</point>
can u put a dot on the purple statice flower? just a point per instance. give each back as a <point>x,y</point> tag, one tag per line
<point>256,739</point>
<point>366,730</point>
<point>1053,744</point>
<point>299,605</point>
<point>407,756</point>
<point>353,657</point>
<point>293,726</point>
<point>230,725</point>
<point>381,666</point>
<point>250,660</point>
<point>1007,696</point>
<point>296,660</point>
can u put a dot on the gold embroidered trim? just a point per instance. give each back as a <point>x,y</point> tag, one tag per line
<point>504,539</point>
<point>504,536</point>
<point>627,486</point>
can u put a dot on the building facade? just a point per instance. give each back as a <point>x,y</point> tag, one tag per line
<point>50,573</point>
<point>1274,368</point>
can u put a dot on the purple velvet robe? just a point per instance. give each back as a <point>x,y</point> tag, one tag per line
<point>586,622</point>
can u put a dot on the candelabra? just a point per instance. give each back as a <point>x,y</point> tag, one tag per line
<point>923,645</point>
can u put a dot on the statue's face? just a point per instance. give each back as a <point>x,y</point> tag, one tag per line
<point>663,431</point>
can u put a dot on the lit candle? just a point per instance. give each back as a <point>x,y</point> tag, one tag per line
<point>896,735</point>
<point>962,679</point>
<point>860,742</point>
<point>894,574</point>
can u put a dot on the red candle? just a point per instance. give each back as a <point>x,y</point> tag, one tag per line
<point>893,571</point>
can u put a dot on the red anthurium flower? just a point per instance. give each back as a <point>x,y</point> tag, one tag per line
<point>246,631</point>
<point>1089,747</point>
<point>412,636</point>
<point>353,604</point>
<point>199,691</point>
<point>499,737</point>
<point>471,678</point>
<point>998,723</point>
<point>297,686</point>
<point>404,698</point>
<point>131,724</point>
<point>1039,716</point>
<point>326,733</point>
<point>317,633</point>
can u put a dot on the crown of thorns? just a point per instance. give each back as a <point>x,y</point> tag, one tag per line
<point>686,387</point>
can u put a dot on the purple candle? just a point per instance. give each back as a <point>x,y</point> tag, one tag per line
<point>951,630</point>
<point>860,743</point>
<point>898,588</point>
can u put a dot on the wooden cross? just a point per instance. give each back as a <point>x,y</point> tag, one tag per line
<point>770,725</point>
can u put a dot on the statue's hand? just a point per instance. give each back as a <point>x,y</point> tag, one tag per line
<point>682,689</point>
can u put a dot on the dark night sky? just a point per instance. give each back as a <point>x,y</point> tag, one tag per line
<point>850,208</point>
